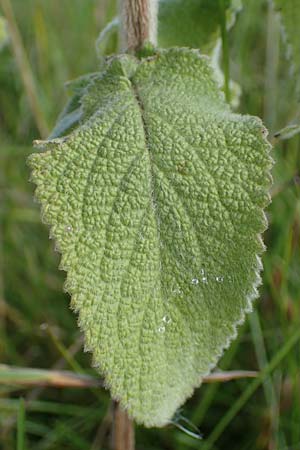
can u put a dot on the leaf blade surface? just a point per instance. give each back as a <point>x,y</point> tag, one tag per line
<point>156,204</point>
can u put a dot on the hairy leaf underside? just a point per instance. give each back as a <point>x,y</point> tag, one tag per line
<point>156,201</point>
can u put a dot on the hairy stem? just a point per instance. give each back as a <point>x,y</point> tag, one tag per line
<point>139,23</point>
<point>123,429</point>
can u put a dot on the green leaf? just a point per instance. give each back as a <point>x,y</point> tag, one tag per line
<point>3,32</point>
<point>198,24</point>
<point>288,132</point>
<point>108,37</point>
<point>290,15</point>
<point>156,204</point>
<point>193,23</point>
<point>190,23</point>
<point>71,114</point>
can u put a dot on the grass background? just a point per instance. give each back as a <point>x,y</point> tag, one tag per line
<point>37,329</point>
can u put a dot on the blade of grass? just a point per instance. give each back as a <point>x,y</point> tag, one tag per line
<point>24,68</point>
<point>223,377</point>
<point>103,429</point>
<point>211,391</point>
<point>10,375</point>
<point>261,355</point>
<point>37,428</point>
<point>240,402</point>
<point>64,409</point>
<point>66,435</point>
<point>69,358</point>
<point>38,377</point>
<point>63,350</point>
<point>268,385</point>
<point>83,424</point>
<point>225,49</point>
<point>271,67</point>
<point>21,426</point>
<point>35,393</point>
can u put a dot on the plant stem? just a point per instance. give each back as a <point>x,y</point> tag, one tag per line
<point>138,26</point>
<point>139,23</point>
<point>21,426</point>
<point>123,429</point>
<point>225,49</point>
<point>271,68</point>
<point>28,377</point>
<point>24,68</point>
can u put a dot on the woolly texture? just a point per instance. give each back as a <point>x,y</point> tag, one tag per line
<point>139,19</point>
<point>156,203</point>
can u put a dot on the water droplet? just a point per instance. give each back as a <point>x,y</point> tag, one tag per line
<point>69,228</point>
<point>167,319</point>
<point>220,279</point>
<point>177,291</point>
<point>195,281</point>
<point>204,280</point>
<point>161,329</point>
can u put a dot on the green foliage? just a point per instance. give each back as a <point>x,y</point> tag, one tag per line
<point>3,32</point>
<point>107,41</point>
<point>192,23</point>
<point>31,286</point>
<point>187,23</point>
<point>184,23</point>
<point>288,132</point>
<point>71,114</point>
<point>290,14</point>
<point>156,203</point>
